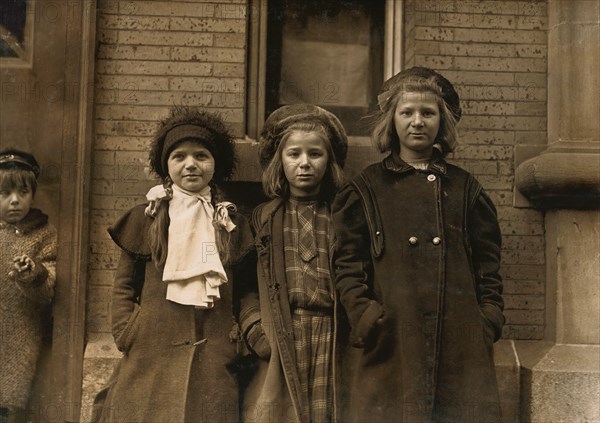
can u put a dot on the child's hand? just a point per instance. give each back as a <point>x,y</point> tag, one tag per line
<point>22,264</point>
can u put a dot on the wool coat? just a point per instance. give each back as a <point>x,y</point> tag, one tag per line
<point>273,395</point>
<point>25,299</point>
<point>180,363</point>
<point>417,273</point>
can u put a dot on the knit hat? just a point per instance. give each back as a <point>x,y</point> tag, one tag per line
<point>282,118</point>
<point>17,159</point>
<point>396,82</point>
<point>186,123</point>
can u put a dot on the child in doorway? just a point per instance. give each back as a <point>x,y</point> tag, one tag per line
<point>27,269</point>
<point>291,326</point>
<point>417,267</point>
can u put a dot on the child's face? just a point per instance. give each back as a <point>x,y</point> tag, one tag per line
<point>15,204</point>
<point>304,158</point>
<point>191,166</point>
<point>417,122</point>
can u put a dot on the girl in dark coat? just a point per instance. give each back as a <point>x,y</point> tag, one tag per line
<point>175,301</point>
<point>291,324</point>
<point>417,268</point>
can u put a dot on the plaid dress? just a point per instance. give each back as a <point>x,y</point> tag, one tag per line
<point>307,228</point>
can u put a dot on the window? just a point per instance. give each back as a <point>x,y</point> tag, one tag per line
<point>15,30</point>
<point>333,53</point>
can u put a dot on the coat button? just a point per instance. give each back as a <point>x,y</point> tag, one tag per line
<point>436,240</point>
<point>431,177</point>
<point>17,232</point>
<point>413,240</point>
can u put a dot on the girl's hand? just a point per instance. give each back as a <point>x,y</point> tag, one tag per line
<point>22,264</point>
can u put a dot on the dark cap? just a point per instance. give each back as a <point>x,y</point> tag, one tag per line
<point>17,159</point>
<point>281,119</point>
<point>396,82</point>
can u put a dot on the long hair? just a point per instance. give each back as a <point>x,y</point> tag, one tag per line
<point>221,146</point>
<point>159,231</point>
<point>384,134</point>
<point>276,185</point>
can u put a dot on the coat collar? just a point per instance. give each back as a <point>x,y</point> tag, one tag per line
<point>394,163</point>
<point>35,219</point>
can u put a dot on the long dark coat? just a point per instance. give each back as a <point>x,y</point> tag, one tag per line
<point>180,362</point>
<point>274,393</point>
<point>422,293</point>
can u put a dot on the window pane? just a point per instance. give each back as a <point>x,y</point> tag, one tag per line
<point>13,15</point>
<point>328,53</point>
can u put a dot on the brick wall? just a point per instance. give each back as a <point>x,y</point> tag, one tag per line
<point>151,55</point>
<point>495,53</point>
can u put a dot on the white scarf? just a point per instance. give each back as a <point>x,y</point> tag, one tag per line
<point>193,269</point>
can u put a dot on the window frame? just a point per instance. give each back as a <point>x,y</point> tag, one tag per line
<point>257,60</point>
<point>25,55</point>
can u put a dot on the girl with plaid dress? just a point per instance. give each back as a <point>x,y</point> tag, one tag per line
<point>291,323</point>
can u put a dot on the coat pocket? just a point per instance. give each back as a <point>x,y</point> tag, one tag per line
<point>125,339</point>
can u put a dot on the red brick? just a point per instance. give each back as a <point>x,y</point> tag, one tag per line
<point>523,257</point>
<point>110,51</point>
<point>483,152</point>
<point>165,38</point>
<point>521,302</point>
<point>524,317</point>
<point>209,85</point>
<point>208,54</point>
<point>124,128</point>
<point>530,123</point>
<point>132,83</point>
<point>521,227</point>
<point>488,107</point>
<point>439,34</point>
<point>531,137</point>
<point>523,332</point>
<point>167,8</point>
<point>500,36</point>
<point>507,64</point>
<point>207,25</point>
<point>523,272</point>
<point>229,70</point>
<point>512,286</point>
<point>470,136</point>
<point>133,22</point>
<point>130,112</point>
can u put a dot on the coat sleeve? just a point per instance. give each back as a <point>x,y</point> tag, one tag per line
<point>353,265</point>
<point>38,286</point>
<point>250,315</point>
<point>485,241</point>
<point>125,298</point>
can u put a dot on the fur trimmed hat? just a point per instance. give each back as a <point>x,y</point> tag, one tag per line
<point>449,94</point>
<point>282,118</point>
<point>191,123</point>
<point>12,158</point>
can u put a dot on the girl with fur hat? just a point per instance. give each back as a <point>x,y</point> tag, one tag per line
<point>417,268</point>
<point>290,325</point>
<point>27,269</point>
<point>175,304</point>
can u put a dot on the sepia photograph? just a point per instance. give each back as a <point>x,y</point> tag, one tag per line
<point>299,211</point>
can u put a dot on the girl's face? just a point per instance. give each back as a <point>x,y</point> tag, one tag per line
<point>304,158</point>
<point>15,204</point>
<point>417,122</point>
<point>191,166</point>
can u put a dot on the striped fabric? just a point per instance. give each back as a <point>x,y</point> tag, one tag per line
<point>311,301</point>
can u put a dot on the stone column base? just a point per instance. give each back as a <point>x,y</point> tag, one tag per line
<point>559,383</point>
<point>100,358</point>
